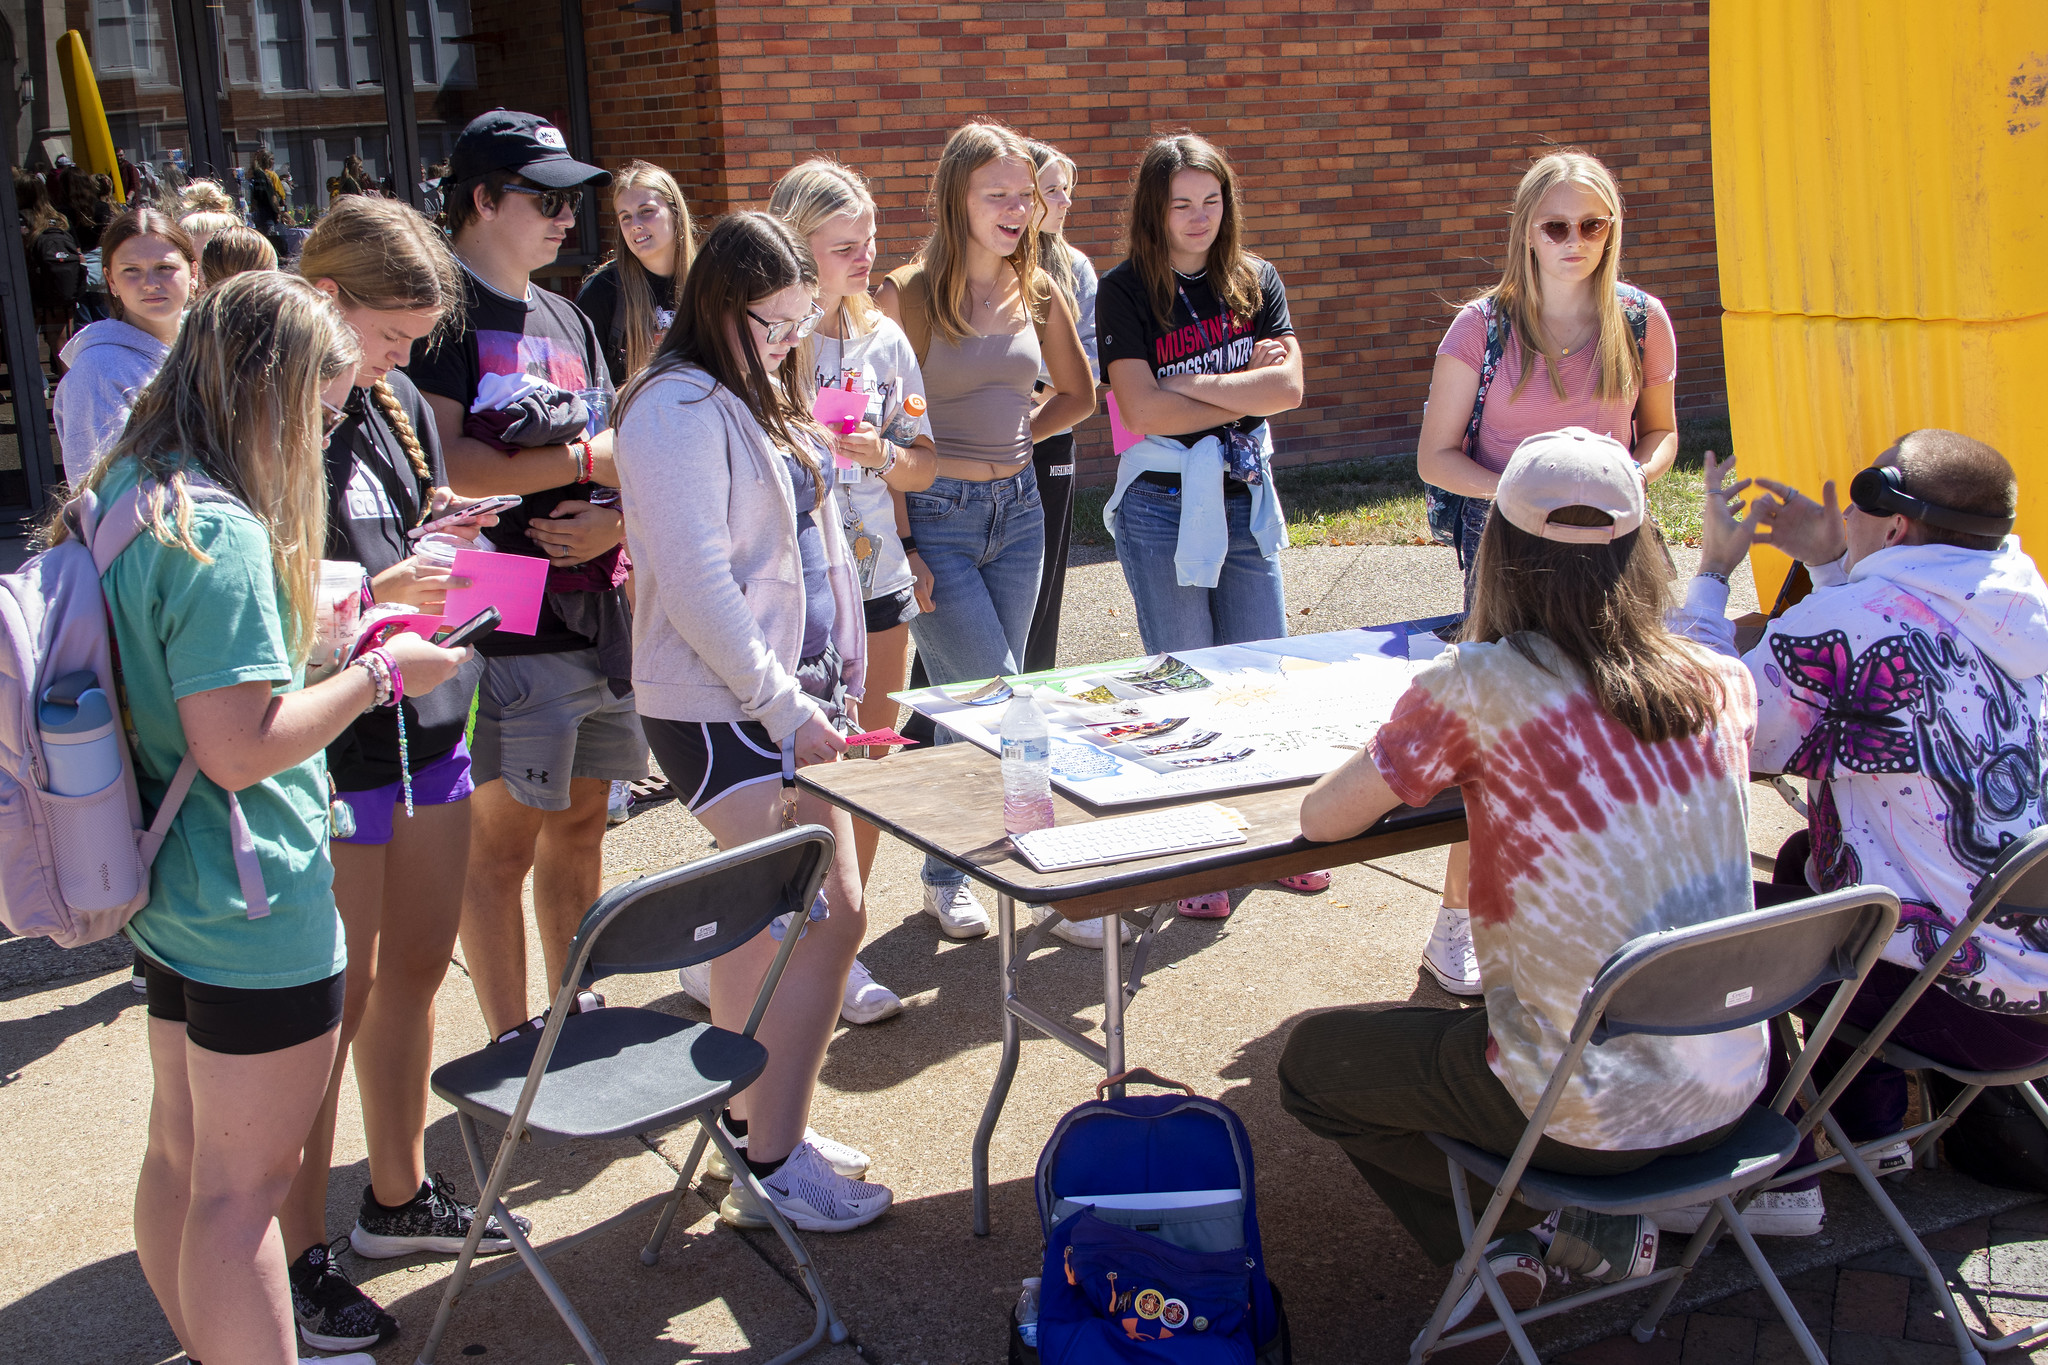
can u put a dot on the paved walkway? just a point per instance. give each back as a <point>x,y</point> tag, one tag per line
<point>916,1288</point>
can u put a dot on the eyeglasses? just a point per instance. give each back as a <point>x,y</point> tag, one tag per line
<point>779,332</point>
<point>331,418</point>
<point>553,203</point>
<point>1559,230</point>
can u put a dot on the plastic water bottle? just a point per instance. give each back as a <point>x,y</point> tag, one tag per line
<point>1027,766</point>
<point>77,725</point>
<point>1027,1312</point>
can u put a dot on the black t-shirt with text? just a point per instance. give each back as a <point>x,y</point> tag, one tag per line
<point>1201,338</point>
<point>546,336</point>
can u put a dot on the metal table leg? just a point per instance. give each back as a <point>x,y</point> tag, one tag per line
<point>1113,999</point>
<point>1006,1070</point>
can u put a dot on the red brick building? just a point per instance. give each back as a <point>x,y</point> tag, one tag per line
<point>1378,144</point>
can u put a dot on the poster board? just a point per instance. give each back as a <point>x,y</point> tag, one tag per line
<point>1206,721</point>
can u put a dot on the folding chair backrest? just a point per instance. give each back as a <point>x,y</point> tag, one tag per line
<point>696,912</point>
<point>2018,884</point>
<point>1728,973</point>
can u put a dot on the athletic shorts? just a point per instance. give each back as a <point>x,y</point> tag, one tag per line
<point>543,720</point>
<point>706,759</point>
<point>890,610</point>
<point>240,1022</point>
<point>441,783</point>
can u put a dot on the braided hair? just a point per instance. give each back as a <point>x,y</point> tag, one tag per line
<point>401,427</point>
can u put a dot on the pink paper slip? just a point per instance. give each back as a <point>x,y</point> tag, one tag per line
<point>511,583</point>
<point>839,410</point>
<point>884,736</point>
<point>1121,438</point>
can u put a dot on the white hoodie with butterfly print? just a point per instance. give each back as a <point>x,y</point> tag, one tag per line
<point>1909,693</point>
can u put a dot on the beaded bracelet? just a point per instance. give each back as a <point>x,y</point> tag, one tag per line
<point>380,678</point>
<point>1720,578</point>
<point>397,678</point>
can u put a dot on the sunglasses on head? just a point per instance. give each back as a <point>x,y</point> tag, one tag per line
<point>552,202</point>
<point>779,332</point>
<point>1559,230</point>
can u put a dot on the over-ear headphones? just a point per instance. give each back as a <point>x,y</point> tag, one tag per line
<point>1880,491</point>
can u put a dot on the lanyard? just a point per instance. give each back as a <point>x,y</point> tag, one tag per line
<point>789,783</point>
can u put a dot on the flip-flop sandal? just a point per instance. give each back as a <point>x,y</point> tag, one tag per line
<point>585,1001</point>
<point>1307,883</point>
<point>1215,905</point>
<point>651,789</point>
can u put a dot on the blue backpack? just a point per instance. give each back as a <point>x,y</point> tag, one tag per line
<point>1178,1276</point>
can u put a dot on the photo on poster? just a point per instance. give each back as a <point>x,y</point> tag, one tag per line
<point>1166,676</point>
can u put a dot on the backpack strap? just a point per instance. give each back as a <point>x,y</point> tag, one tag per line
<point>1496,347</point>
<point>1635,306</point>
<point>108,536</point>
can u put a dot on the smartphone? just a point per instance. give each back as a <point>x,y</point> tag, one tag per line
<point>470,631</point>
<point>500,502</point>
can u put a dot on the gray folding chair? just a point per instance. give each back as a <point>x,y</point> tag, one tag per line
<point>2017,887</point>
<point>621,1072</point>
<point>1706,978</point>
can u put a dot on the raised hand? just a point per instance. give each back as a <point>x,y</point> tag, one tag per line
<point>1726,534</point>
<point>1811,532</point>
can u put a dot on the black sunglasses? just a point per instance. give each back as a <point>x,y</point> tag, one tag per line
<point>552,202</point>
<point>1559,230</point>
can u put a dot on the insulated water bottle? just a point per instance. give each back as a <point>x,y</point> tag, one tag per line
<point>79,745</point>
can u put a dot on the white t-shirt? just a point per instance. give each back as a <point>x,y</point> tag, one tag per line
<point>888,373</point>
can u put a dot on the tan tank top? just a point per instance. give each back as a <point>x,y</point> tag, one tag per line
<point>980,396</point>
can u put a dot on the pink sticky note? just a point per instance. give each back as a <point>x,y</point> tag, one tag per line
<point>511,583</point>
<point>1121,438</point>
<point>840,409</point>
<point>882,736</point>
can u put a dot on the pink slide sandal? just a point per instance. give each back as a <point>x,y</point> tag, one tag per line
<point>1308,883</point>
<point>1215,905</point>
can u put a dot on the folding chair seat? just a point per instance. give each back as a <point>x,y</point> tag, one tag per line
<point>2017,887</point>
<point>622,1072</point>
<point>1712,977</point>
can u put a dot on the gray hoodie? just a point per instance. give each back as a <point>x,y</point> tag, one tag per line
<point>109,363</point>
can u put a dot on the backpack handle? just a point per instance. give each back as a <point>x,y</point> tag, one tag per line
<point>1139,1075</point>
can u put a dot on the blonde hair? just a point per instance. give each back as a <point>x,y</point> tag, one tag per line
<point>1054,254</point>
<point>385,256</point>
<point>808,197</point>
<point>238,400</point>
<point>636,287</point>
<point>234,251</point>
<point>1519,295</point>
<point>944,253</point>
<point>204,209</point>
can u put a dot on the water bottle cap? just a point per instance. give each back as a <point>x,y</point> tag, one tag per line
<point>58,716</point>
<point>1023,690</point>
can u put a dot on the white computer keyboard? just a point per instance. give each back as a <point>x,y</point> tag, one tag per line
<point>1128,837</point>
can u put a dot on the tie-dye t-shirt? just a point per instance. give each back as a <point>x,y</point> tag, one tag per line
<point>1584,837</point>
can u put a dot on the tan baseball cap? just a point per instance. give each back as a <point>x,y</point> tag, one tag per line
<point>1571,468</point>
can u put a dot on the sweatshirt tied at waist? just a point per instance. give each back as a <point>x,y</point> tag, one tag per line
<point>1204,539</point>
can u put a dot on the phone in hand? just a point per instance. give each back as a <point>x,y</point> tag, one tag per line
<point>475,628</point>
<point>498,502</point>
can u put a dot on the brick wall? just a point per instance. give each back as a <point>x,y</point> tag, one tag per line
<point>1377,145</point>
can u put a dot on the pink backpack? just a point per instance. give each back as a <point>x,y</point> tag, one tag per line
<point>75,869</point>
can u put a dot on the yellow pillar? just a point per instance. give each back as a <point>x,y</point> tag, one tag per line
<point>1881,222</point>
<point>90,137</point>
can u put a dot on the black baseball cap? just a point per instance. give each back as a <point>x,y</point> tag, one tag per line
<point>505,140</point>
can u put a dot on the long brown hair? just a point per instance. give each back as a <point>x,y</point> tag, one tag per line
<point>1519,295</point>
<point>636,286</point>
<point>1233,271</point>
<point>747,257</point>
<point>239,398</point>
<point>944,253</point>
<point>1601,607</point>
<point>385,256</point>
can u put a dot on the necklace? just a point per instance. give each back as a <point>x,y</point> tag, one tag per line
<point>994,283</point>
<point>1579,344</point>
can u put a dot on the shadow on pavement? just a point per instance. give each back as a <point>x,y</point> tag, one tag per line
<point>26,1041</point>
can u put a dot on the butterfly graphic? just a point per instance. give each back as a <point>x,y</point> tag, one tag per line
<point>1861,726</point>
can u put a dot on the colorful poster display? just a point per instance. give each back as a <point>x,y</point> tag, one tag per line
<point>1202,722</point>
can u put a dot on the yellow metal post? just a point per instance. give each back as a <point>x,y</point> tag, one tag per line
<point>90,137</point>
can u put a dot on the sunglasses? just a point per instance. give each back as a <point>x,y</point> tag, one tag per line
<point>779,332</point>
<point>1559,230</point>
<point>331,418</point>
<point>553,203</point>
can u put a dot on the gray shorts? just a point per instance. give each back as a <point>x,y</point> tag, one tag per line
<point>544,719</point>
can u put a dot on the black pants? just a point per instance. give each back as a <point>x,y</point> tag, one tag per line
<point>1053,459</point>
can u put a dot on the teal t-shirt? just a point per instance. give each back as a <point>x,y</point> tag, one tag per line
<point>184,627</point>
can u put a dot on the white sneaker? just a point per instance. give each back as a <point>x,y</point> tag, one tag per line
<point>352,1358</point>
<point>1774,1213</point>
<point>850,1162</point>
<point>696,982</point>
<point>1517,1263</point>
<point>959,914</point>
<point>867,1000</point>
<point>620,805</point>
<point>1891,1161</point>
<point>811,1195</point>
<point>1449,957</point>
<point>1085,933</point>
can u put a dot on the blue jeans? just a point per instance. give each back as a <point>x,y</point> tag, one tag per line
<point>1465,540</point>
<point>984,544</point>
<point>1248,602</point>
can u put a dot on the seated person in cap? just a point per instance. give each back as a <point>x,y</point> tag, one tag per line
<point>1907,691</point>
<point>1582,733</point>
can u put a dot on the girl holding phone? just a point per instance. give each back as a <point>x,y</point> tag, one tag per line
<point>748,647</point>
<point>399,857</point>
<point>212,612</point>
<point>983,318</point>
<point>890,448</point>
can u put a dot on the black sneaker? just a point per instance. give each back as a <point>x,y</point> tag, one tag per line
<point>433,1220</point>
<point>334,1315</point>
